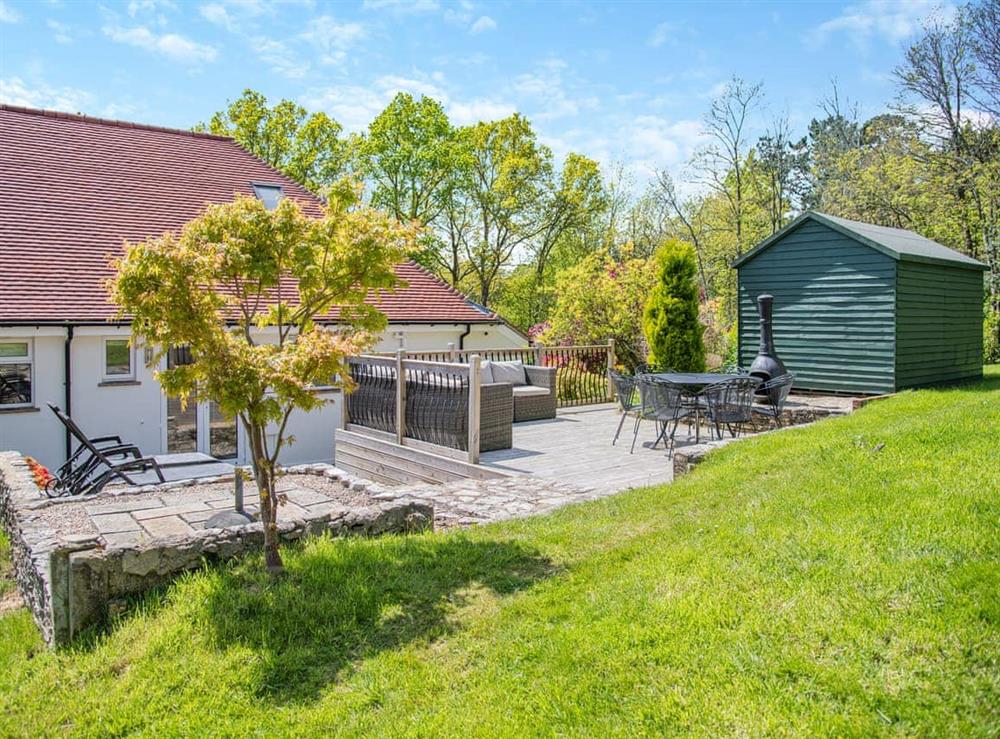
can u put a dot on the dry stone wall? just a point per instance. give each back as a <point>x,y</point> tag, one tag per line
<point>70,581</point>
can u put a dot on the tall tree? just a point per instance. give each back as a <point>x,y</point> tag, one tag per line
<point>782,177</point>
<point>570,202</point>
<point>407,156</point>
<point>940,75</point>
<point>689,214</point>
<point>985,22</point>
<point>504,182</point>
<point>239,262</point>
<point>308,147</point>
<point>720,165</point>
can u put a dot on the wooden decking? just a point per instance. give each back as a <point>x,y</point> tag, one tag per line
<point>575,448</point>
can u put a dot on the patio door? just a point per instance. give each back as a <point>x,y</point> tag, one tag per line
<point>198,427</point>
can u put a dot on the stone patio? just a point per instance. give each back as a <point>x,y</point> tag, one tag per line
<point>74,559</point>
<point>575,448</point>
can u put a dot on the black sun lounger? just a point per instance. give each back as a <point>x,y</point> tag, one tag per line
<point>101,460</point>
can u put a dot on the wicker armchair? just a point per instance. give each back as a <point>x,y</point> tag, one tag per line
<point>496,416</point>
<point>531,405</point>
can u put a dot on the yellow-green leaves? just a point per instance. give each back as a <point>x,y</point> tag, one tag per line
<point>243,286</point>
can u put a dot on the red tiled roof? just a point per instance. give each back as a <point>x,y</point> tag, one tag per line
<point>73,188</point>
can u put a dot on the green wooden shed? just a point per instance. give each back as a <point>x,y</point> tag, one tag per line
<point>861,308</point>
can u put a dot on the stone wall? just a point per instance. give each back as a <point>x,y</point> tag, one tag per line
<point>72,581</point>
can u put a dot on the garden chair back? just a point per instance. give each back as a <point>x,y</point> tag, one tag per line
<point>663,402</point>
<point>774,393</point>
<point>729,403</point>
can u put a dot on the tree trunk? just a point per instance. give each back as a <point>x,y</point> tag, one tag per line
<point>263,473</point>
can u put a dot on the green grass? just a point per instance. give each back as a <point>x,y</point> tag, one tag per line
<point>6,583</point>
<point>841,579</point>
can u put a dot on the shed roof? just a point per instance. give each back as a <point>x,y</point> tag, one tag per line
<point>73,188</point>
<point>897,243</point>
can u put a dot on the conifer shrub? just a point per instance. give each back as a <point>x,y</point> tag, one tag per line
<point>670,319</point>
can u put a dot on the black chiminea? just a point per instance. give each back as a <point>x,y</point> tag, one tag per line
<point>767,365</point>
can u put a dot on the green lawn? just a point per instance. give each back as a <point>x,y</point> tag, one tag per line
<point>842,579</point>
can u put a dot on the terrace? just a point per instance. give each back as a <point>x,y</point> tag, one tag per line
<point>454,425</point>
<point>575,446</point>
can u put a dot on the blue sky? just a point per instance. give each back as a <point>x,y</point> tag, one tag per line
<point>623,81</point>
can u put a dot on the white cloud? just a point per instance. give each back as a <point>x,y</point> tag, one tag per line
<point>331,38</point>
<point>61,32</point>
<point>138,7</point>
<point>15,91</point>
<point>171,45</point>
<point>480,109</point>
<point>544,94</point>
<point>890,20</point>
<point>218,14</point>
<point>8,14</point>
<point>483,23</point>
<point>233,14</point>
<point>402,7</point>
<point>390,84</point>
<point>355,106</point>
<point>282,60</point>
<point>661,34</point>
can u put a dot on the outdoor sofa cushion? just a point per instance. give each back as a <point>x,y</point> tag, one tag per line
<point>530,391</point>
<point>485,372</point>
<point>512,372</point>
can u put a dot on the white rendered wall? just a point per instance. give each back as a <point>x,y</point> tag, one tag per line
<point>136,410</point>
<point>36,432</point>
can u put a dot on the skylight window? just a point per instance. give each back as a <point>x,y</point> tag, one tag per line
<point>270,195</point>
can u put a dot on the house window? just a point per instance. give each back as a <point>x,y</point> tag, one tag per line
<point>270,195</point>
<point>16,369</point>
<point>119,364</point>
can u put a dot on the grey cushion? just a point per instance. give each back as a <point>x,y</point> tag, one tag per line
<point>529,391</point>
<point>486,372</point>
<point>512,372</point>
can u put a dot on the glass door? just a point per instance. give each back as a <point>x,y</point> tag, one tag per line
<point>223,433</point>
<point>182,423</point>
<point>199,427</point>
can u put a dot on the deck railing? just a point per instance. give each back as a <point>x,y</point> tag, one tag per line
<point>581,379</point>
<point>435,406</point>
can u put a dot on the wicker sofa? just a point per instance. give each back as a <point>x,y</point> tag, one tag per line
<point>533,388</point>
<point>496,416</point>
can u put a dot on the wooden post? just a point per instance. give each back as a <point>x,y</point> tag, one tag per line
<point>452,354</point>
<point>611,366</point>
<point>538,355</point>
<point>474,395</point>
<point>400,396</point>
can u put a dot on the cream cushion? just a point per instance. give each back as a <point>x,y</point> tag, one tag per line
<point>512,372</point>
<point>486,372</point>
<point>529,391</point>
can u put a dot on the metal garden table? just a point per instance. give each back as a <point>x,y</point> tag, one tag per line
<point>694,383</point>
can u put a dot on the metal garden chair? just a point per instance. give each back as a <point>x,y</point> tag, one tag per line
<point>662,402</point>
<point>625,390</point>
<point>729,404</point>
<point>773,395</point>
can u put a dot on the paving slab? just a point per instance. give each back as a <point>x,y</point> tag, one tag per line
<point>123,506</point>
<point>167,526</point>
<point>125,539</point>
<point>173,510</point>
<point>113,523</point>
<point>305,496</point>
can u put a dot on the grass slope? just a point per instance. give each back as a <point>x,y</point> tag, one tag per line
<point>810,581</point>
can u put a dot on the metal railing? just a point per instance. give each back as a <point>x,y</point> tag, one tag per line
<point>436,405</point>
<point>582,371</point>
